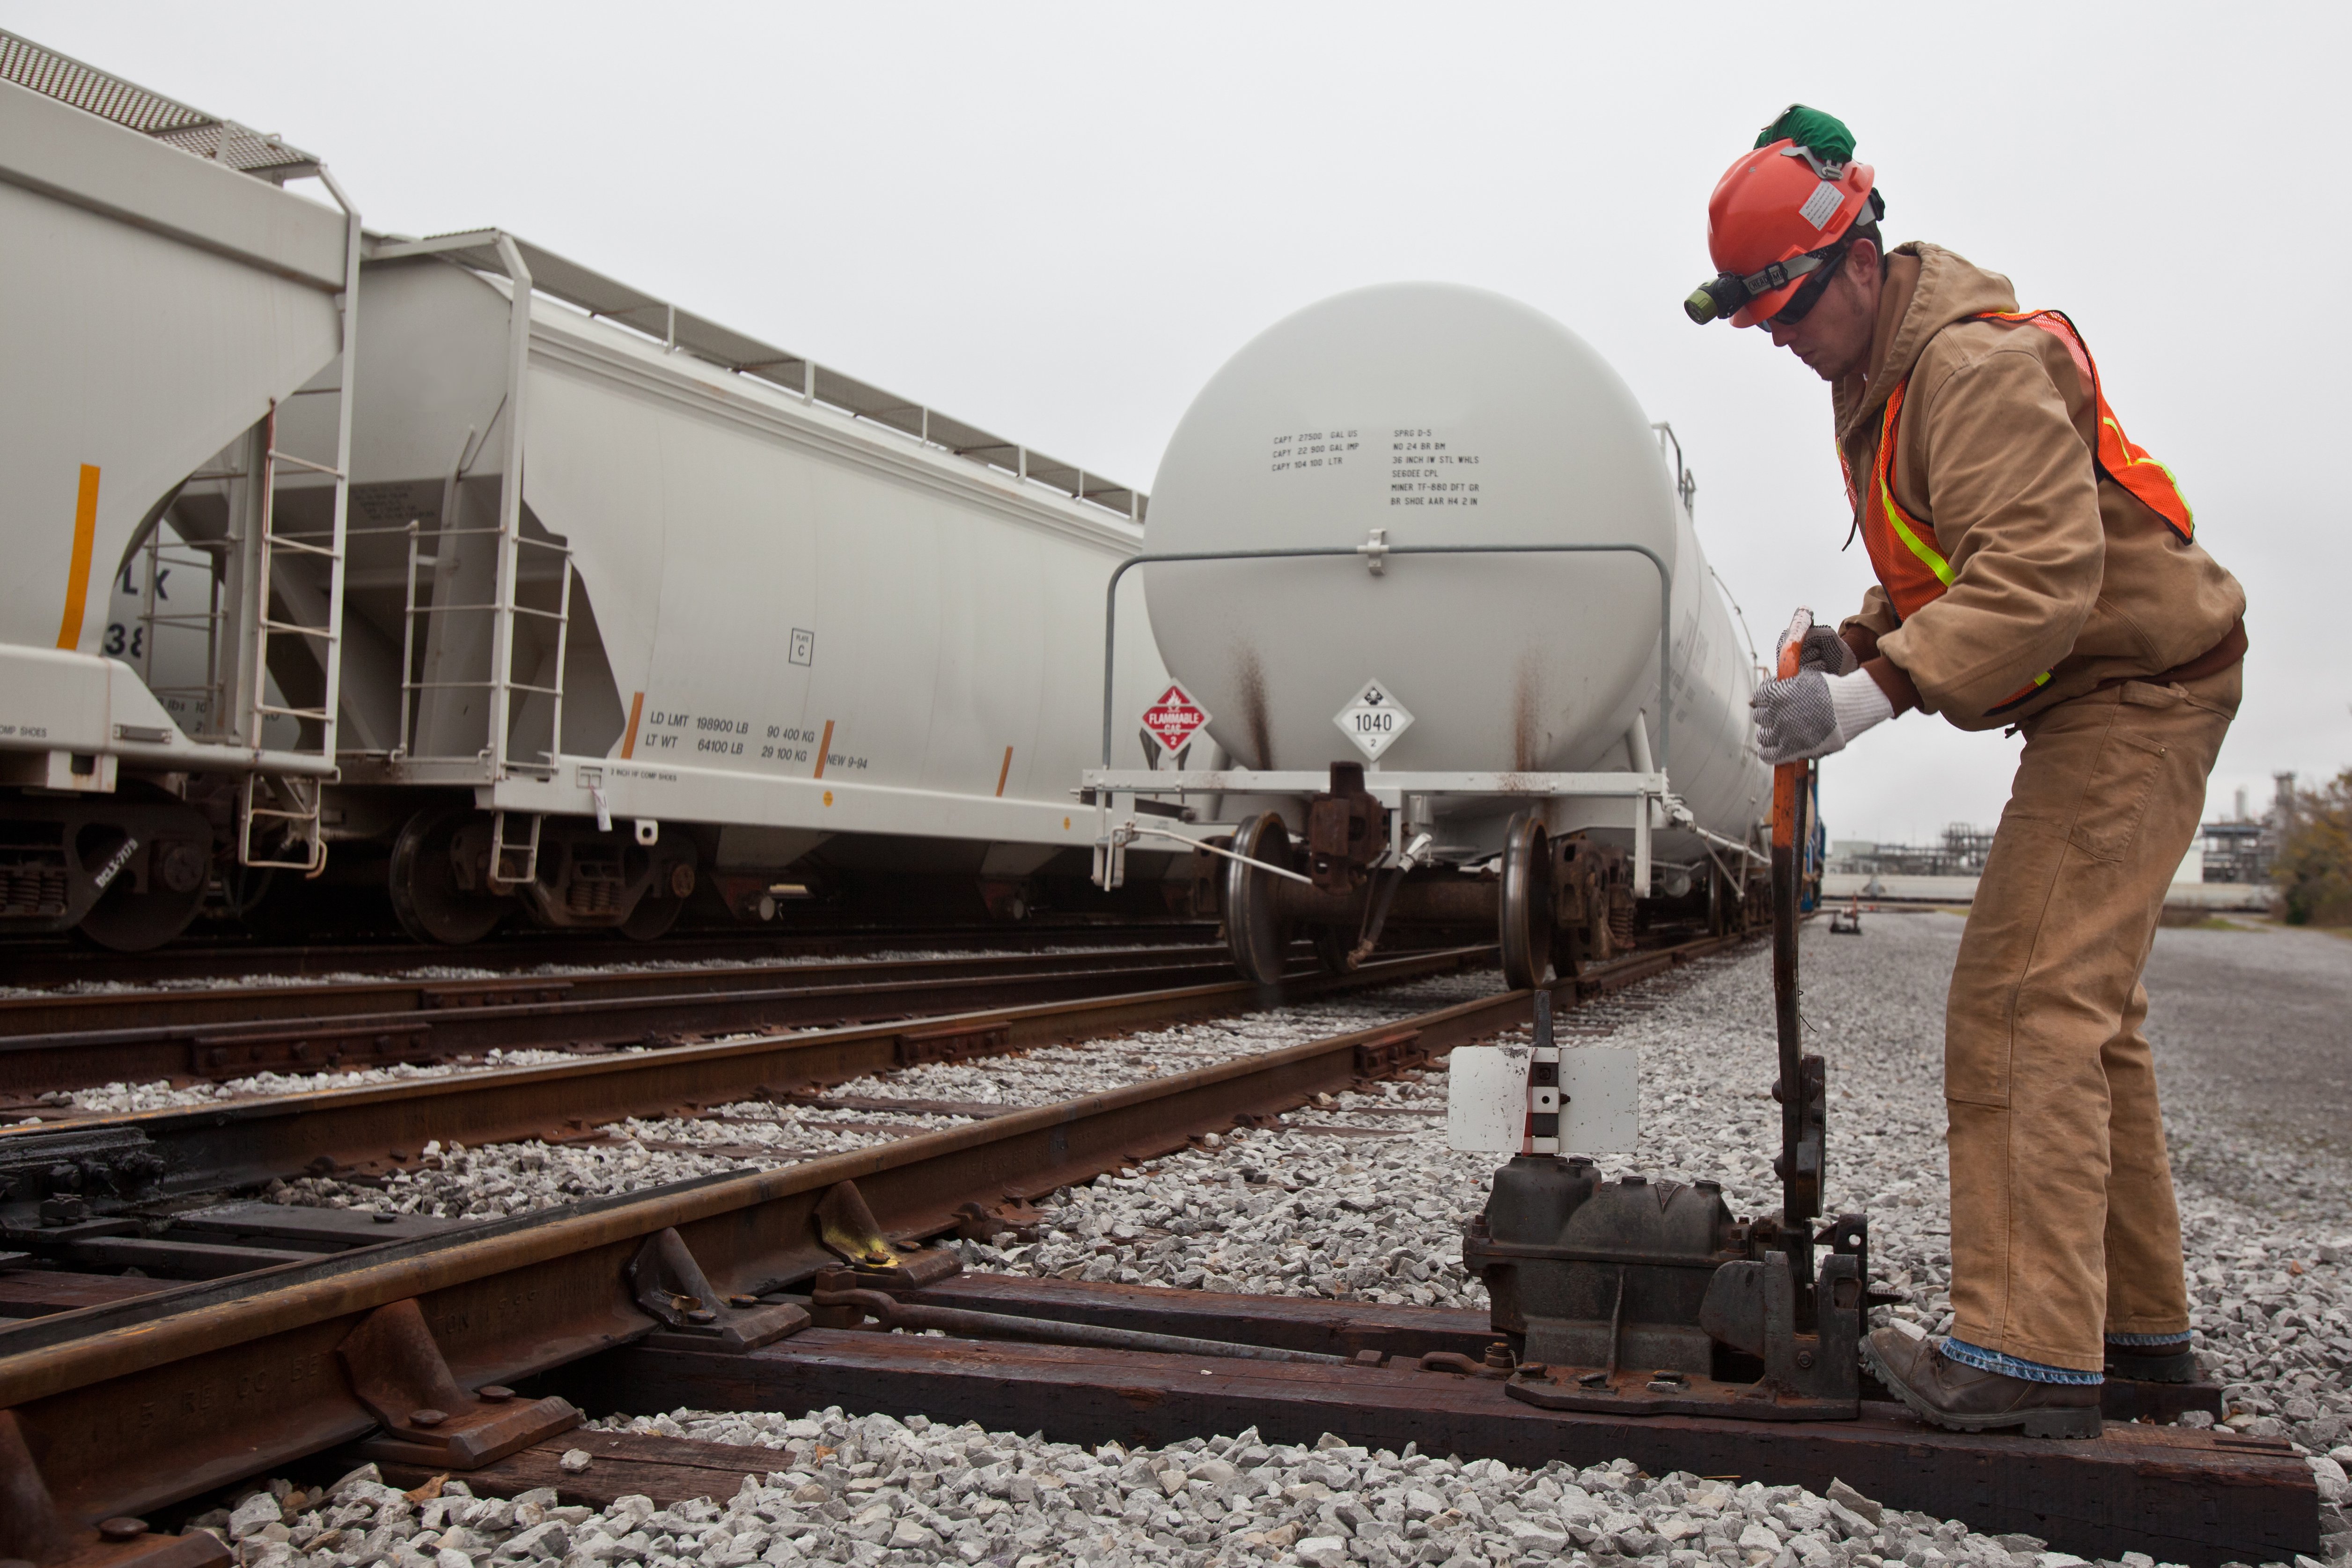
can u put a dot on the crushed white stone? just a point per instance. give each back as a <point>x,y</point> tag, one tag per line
<point>112,1098</point>
<point>488,1182</point>
<point>1291,1210</point>
<point>828,1488</point>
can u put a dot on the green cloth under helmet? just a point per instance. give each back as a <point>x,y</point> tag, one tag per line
<point>1826,134</point>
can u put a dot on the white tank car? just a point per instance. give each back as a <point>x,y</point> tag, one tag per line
<point>745,623</point>
<point>1420,417</point>
<point>164,296</point>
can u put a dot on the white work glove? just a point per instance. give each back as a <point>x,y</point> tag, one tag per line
<point>1813,714</point>
<point>1822,649</point>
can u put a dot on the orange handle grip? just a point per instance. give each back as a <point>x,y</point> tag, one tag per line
<point>1788,778</point>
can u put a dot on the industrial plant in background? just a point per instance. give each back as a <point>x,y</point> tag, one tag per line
<point>2239,847</point>
<point>1960,853</point>
<point>2240,861</point>
<point>2243,848</point>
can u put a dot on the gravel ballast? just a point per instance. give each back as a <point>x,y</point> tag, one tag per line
<point>485,1183</point>
<point>866,1491</point>
<point>1375,1215</point>
<point>1294,1212</point>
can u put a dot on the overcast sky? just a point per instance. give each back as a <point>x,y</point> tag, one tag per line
<point>1057,221</point>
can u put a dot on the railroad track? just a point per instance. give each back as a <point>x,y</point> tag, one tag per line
<point>51,1042</point>
<point>702,1293</point>
<point>93,1169</point>
<point>62,961</point>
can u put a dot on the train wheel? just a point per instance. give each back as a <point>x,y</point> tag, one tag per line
<point>1336,947</point>
<point>426,894</point>
<point>659,908</point>
<point>1253,929</point>
<point>1525,917</point>
<point>131,918</point>
<point>651,919</point>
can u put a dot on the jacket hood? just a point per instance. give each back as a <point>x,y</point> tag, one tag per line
<point>1926,289</point>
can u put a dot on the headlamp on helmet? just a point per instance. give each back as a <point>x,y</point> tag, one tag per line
<point>1725,292</point>
<point>1780,219</point>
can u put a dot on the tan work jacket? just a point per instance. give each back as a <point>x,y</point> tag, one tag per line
<point>2055,567</point>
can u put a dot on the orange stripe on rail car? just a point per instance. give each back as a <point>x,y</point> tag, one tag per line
<point>636,707</point>
<point>822,748</point>
<point>77,574</point>
<point>1004,772</point>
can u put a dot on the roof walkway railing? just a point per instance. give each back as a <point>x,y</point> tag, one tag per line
<point>168,120</point>
<point>681,331</point>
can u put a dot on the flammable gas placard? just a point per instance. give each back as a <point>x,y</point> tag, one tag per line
<point>1174,718</point>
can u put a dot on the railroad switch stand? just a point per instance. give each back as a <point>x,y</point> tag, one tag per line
<point>1650,1297</point>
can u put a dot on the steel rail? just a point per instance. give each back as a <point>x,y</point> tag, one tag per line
<point>244,1143</point>
<point>138,1404</point>
<point>94,1014</point>
<point>2180,1495</point>
<point>218,1034</point>
<point>131,1406</point>
<point>47,962</point>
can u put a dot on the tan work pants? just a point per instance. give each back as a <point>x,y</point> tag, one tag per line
<point>2063,1227</point>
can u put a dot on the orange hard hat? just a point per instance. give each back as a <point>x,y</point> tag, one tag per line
<point>1775,217</point>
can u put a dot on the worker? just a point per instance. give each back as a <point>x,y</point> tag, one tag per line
<point>2040,572</point>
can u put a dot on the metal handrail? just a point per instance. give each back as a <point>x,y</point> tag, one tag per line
<point>1368,551</point>
<point>279,457</point>
<point>459,533</point>
<point>456,609</point>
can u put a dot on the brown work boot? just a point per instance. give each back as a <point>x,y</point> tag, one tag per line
<point>1944,1394</point>
<point>2170,1362</point>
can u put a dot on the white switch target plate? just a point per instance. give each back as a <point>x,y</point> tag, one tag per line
<point>1486,1098</point>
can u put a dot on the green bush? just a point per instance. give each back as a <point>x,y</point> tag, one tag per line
<point>2314,870</point>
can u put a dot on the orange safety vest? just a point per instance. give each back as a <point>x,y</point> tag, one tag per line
<point>1902,550</point>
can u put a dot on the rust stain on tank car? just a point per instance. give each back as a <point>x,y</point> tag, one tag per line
<point>1252,678</point>
<point>1526,748</point>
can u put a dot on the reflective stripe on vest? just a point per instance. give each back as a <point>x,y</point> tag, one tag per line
<point>2118,456</point>
<point>1902,550</point>
<point>1909,567</point>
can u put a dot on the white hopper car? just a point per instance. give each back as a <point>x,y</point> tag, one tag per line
<point>745,627</point>
<point>1436,548</point>
<point>846,638</point>
<point>165,299</point>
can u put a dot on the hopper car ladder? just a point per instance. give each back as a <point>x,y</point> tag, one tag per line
<point>500,683</point>
<point>495,760</point>
<point>284,800</point>
<point>417,611</point>
<point>286,803</point>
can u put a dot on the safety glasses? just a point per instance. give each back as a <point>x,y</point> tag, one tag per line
<point>1809,293</point>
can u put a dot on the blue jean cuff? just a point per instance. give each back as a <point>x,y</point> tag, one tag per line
<point>2134,1341</point>
<point>1984,1360</point>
